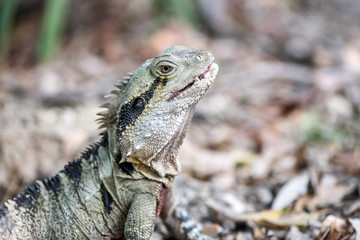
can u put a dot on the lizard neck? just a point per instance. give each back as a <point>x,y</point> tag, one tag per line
<point>161,165</point>
<point>125,167</point>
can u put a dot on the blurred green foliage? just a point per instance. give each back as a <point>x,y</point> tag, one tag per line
<point>52,25</point>
<point>7,13</point>
<point>184,9</point>
<point>313,129</point>
<point>53,20</point>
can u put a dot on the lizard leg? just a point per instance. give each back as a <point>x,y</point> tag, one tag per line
<point>179,223</point>
<point>141,217</point>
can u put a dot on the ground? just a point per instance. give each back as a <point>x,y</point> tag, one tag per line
<point>273,151</point>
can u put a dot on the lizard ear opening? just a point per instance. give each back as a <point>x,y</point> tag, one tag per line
<point>139,103</point>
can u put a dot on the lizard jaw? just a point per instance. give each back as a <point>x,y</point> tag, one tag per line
<point>199,77</point>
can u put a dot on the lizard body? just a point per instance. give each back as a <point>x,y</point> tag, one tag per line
<point>120,185</point>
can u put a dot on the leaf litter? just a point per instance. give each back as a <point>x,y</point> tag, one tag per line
<point>273,151</point>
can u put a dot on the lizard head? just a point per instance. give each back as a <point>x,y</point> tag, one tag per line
<point>156,107</point>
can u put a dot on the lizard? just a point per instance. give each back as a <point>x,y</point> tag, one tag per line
<point>120,185</point>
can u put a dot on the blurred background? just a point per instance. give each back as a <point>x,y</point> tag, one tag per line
<point>278,130</point>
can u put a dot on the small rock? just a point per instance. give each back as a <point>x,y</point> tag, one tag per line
<point>299,50</point>
<point>212,230</point>
<point>295,234</point>
<point>339,108</point>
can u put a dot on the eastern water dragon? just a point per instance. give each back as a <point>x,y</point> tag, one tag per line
<point>120,185</point>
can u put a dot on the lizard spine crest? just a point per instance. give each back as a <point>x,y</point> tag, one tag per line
<point>108,116</point>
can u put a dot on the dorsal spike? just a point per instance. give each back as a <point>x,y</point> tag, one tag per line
<point>110,97</point>
<point>122,83</point>
<point>102,119</point>
<point>105,105</point>
<point>104,125</point>
<point>116,92</point>
<point>108,116</point>
<point>103,113</point>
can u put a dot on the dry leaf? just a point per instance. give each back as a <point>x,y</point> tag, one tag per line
<point>279,218</point>
<point>334,228</point>
<point>355,222</point>
<point>291,191</point>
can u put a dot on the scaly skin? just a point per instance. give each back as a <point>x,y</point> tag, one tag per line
<point>119,186</point>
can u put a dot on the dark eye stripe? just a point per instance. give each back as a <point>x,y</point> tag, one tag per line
<point>150,92</point>
<point>129,113</point>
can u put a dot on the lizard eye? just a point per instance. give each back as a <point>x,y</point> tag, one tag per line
<point>139,103</point>
<point>165,69</point>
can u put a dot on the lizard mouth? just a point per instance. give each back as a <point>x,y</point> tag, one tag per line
<point>199,77</point>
